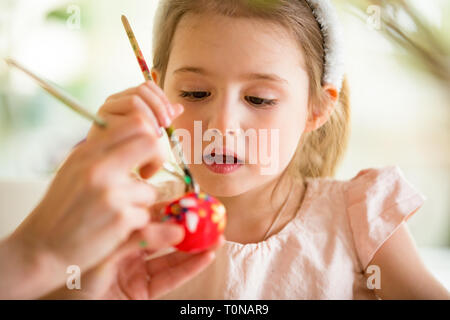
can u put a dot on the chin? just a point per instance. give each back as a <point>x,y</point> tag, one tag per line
<point>228,185</point>
<point>223,191</point>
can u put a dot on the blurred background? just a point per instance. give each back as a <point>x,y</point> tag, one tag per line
<point>398,66</point>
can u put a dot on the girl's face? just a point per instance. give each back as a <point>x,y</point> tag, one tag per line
<point>243,75</point>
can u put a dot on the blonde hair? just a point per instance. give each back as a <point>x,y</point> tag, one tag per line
<point>320,151</point>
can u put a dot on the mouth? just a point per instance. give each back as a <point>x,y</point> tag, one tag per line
<point>222,159</point>
<point>222,163</point>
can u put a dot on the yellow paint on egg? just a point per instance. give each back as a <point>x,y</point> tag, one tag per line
<point>221,225</point>
<point>215,217</point>
<point>202,213</point>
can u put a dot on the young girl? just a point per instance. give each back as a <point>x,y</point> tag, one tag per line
<point>295,233</point>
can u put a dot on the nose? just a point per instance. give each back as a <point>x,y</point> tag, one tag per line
<point>225,118</point>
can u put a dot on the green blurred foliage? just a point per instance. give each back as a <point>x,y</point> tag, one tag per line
<point>61,14</point>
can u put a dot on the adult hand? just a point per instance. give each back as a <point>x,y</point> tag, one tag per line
<point>128,274</point>
<point>94,203</point>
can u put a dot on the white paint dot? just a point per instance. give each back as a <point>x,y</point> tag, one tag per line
<point>188,203</point>
<point>191,221</point>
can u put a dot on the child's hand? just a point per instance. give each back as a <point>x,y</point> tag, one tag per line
<point>144,108</point>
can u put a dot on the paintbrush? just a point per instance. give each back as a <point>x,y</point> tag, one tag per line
<point>173,140</point>
<point>58,94</point>
<point>75,105</point>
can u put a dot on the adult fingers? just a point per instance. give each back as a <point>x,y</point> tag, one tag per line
<point>173,259</point>
<point>149,239</point>
<point>119,129</point>
<point>151,94</point>
<point>161,235</point>
<point>162,96</point>
<point>140,193</point>
<point>160,105</point>
<point>134,152</point>
<point>156,213</point>
<point>149,170</point>
<point>166,280</point>
<point>121,94</point>
<point>129,105</point>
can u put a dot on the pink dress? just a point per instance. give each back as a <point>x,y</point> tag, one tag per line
<point>322,252</point>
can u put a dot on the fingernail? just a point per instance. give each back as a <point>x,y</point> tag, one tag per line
<point>166,121</point>
<point>171,110</point>
<point>160,131</point>
<point>181,108</point>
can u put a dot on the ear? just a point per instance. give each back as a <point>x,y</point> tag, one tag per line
<point>319,117</point>
<point>155,76</point>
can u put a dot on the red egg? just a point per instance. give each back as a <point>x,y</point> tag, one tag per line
<point>203,218</point>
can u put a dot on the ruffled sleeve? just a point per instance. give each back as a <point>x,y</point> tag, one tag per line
<point>378,201</point>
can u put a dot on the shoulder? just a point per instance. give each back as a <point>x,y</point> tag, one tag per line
<point>373,190</point>
<point>382,176</point>
<point>378,201</point>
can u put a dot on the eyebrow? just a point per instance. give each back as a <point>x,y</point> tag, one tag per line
<point>250,76</point>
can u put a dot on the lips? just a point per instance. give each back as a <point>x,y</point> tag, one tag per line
<point>224,157</point>
<point>224,162</point>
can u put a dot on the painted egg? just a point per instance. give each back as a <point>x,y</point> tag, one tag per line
<point>203,218</point>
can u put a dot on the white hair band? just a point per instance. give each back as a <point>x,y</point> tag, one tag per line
<point>326,16</point>
<point>334,66</point>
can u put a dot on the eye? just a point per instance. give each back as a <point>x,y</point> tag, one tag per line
<point>199,95</point>
<point>195,95</point>
<point>260,101</point>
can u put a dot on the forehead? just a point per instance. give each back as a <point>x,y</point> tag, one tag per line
<point>231,44</point>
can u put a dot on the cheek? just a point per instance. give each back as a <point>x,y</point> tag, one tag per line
<point>288,128</point>
<point>291,133</point>
<point>278,135</point>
